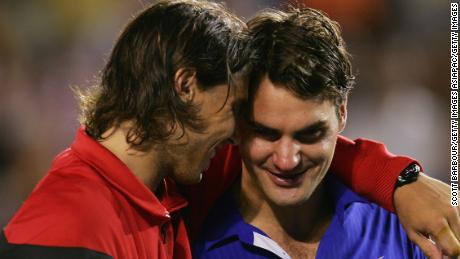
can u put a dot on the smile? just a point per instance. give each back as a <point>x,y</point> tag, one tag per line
<point>286,180</point>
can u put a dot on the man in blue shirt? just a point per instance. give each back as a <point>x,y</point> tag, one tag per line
<point>359,229</point>
<point>284,205</point>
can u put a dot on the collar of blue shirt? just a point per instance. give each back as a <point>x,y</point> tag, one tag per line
<point>233,226</point>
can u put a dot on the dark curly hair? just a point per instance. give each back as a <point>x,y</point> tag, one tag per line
<point>137,82</point>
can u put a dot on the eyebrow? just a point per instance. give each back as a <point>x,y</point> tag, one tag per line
<point>319,125</point>
<point>261,127</point>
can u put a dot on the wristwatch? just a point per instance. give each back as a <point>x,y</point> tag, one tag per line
<point>409,175</point>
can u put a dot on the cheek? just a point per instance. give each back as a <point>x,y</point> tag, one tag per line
<point>257,150</point>
<point>320,152</point>
<point>328,146</point>
<point>221,127</point>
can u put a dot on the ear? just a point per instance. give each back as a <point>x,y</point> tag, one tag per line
<point>343,114</point>
<point>185,84</point>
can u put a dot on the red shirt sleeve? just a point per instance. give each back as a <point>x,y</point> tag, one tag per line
<point>364,165</point>
<point>369,169</point>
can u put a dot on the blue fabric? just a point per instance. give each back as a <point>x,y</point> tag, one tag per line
<point>358,229</point>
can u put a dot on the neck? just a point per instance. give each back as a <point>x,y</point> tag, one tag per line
<point>305,223</point>
<point>144,164</point>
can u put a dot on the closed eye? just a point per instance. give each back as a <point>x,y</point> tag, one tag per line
<point>264,132</point>
<point>312,133</point>
<point>311,137</point>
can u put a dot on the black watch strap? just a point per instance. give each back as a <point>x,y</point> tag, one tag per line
<point>409,175</point>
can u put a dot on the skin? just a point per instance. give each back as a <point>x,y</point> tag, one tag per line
<point>441,222</point>
<point>186,154</point>
<point>289,138</point>
<point>189,155</point>
<point>287,148</point>
<point>434,230</point>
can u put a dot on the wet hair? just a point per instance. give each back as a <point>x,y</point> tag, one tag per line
<point>137,83</point>
<point>301,50</point>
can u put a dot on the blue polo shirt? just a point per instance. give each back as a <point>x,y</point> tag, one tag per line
<point>358,229</point>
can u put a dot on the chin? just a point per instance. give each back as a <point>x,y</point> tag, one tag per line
<point>289,202</point>
<point>288,198</point>
<point>189,178</point>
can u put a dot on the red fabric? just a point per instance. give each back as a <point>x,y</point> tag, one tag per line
<point>364,165</point>
<point>224,169</point>
<point>90,199</point>
<point>369,169</point>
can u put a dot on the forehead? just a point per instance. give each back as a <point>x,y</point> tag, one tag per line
<point>278,107</point>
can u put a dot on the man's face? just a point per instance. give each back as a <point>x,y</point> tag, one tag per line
<point>288,143</point>
<point>194,152</point>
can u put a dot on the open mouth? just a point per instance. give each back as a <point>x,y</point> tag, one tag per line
<point>287,176</point>
<point>287,180</point>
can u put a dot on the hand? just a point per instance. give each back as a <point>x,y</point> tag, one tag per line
<point>423,208</point>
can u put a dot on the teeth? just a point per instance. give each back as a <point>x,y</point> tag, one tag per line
<point>286,176</point>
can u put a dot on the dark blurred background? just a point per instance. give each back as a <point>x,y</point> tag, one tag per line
<point>400,53</point>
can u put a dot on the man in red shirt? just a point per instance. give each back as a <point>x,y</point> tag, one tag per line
<point>162,111</point>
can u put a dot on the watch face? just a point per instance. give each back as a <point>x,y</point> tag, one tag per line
<point>409,175</point>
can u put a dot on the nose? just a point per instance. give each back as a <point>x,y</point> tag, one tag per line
<point>286,156</point>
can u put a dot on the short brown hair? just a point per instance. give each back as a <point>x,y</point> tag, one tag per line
<point>137,82</point>
<point>301,50</point>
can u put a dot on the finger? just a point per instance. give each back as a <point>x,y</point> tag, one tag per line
<point>446,240</point>
<point>453,218</point>
<point>427,246</point>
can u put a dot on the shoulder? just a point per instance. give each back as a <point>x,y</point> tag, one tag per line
<point>360,228</point>
<point>71,206</point>
<point>26,251</point>
<point>371,229</point>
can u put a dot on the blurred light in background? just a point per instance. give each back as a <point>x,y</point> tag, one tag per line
<point>400,53</point>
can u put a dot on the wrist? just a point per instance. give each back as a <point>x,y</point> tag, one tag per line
<point>409,175</point>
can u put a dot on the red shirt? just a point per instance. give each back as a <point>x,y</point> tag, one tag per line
<point>90,202</point>
<point>90,199</point>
